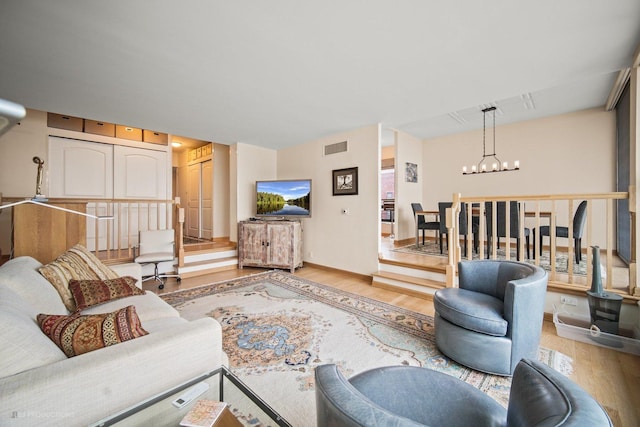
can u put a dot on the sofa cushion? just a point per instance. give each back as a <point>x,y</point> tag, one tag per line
<point>148,306</point>
<point>77,334</point>
<point>129,269</point>
<point>21,276</point>
<point>470,310</point>
<point>22,344</point>
<point>87,293</point>
<point>76,263</point>
<point>164,324</point>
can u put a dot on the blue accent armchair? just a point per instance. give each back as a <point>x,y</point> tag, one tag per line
<point>409,396</point>
<point>494,317</point>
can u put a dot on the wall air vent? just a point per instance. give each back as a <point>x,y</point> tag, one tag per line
<point>338,147</point>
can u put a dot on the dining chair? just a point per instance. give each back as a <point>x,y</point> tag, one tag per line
<point>514,225</point>
<point>579,218</point>
<point>421,224</point>
<point>463,227</point>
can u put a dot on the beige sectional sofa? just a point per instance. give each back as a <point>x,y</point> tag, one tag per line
<point>40,385</point>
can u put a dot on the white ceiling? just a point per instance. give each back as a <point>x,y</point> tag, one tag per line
<point>282,72</point>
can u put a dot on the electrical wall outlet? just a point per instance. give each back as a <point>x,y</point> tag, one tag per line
<point>568,300</point>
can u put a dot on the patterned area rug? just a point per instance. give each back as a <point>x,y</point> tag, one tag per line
<point>432,248</point>
<point>278,327</point>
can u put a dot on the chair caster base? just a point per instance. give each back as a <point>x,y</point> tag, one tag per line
<point>161,286</point>
<point>179,279</point>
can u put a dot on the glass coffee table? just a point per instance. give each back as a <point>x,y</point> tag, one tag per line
<point>224,386</point>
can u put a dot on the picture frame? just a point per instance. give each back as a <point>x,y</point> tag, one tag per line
<point>411,172</point>
<point>345,182</point>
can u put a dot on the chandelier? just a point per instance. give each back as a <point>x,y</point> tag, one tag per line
<point>486,165</point>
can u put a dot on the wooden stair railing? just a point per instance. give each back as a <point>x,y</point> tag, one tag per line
<point>114,240</point>
<point>552,205</point>
<point>179,228</point>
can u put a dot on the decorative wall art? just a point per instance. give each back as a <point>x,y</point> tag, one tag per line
<point>345,181</point>
<point>411,172</point>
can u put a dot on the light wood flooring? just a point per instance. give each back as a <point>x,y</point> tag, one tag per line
<point>612,377</point>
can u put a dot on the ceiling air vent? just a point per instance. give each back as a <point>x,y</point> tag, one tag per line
<point>338,147</point>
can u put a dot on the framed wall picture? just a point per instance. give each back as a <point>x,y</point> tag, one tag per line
<point>411,172</point>
<point>345,181</point>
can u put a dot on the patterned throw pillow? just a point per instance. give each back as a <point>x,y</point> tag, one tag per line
<point>77,263</point>
<point>87,293</point>
<point>77,334</point>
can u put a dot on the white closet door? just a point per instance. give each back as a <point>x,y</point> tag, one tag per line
<point>193,206</point>
<point>206,204</point>
<point>183,193</point>
<point>80,168</point>
<point>139,173</point>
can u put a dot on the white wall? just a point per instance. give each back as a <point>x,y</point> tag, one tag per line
<point>17,149</point>
<point>569,153</point>
<point>410,150</point>
<point>345,242</point>
<point>248,164</point>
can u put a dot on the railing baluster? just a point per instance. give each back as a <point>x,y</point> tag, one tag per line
<point>97,229</point>
<point>507,229</point>
<point>609,283</point>
<point>570,250</point>
<point>589,241</point>
<point>483,231</point>
<point>129,244</point>
<point>470,234</point>
<point>119,231</point>
<point>537,247</point>
<point>523,238</point>
<point>552,241</point>
<point>494,229</point>
<point>109,229</point>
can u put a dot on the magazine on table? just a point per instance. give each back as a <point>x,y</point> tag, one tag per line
<point>203,414</point>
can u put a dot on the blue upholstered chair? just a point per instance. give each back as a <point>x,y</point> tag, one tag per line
<point>494,317</point>
<point>409,396</point>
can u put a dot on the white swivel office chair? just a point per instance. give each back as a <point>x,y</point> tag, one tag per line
<point>154,247</point>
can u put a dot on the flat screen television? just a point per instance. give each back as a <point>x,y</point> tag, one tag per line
<point>289,198</point>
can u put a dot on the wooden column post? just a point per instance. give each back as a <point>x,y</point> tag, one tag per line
<point>634,141</point>
<point>44,233</point>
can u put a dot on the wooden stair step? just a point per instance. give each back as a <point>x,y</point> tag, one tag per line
<point>411,279</point>
<point>209,261</point>
<point>208,266</point>
<point>200,249</point>
<point>439,268</point>
<point>410,285</point>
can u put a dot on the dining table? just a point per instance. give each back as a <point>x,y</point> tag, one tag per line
<point>475,211</point>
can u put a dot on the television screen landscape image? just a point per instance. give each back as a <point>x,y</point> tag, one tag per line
<point>283,198</point>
